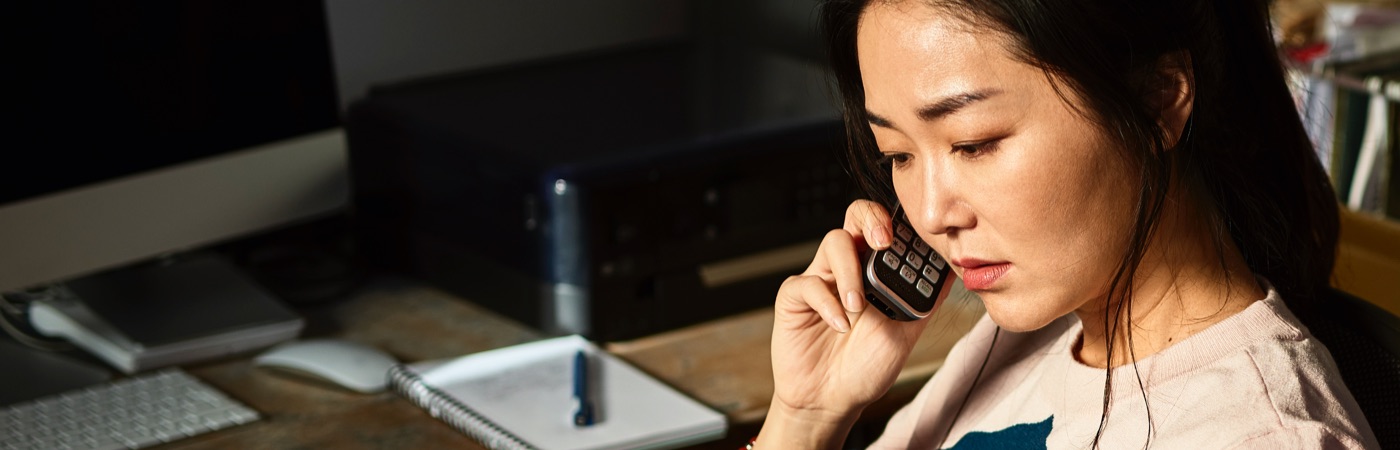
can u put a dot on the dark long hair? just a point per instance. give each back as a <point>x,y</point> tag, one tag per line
<point>1244,154</point>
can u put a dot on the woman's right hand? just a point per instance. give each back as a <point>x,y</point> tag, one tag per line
<point>832,356</point>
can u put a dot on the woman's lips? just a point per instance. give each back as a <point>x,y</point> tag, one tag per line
<point>981,275</point>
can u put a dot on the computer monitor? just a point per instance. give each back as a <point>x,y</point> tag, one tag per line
<point>137,129</point>
<point>141,128</point>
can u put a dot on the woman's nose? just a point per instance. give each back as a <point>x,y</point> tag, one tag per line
<point>937,203</point>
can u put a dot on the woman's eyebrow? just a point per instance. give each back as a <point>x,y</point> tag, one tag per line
<point>951,104</point>
<point>939,109</point>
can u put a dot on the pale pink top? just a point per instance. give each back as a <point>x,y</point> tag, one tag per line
<point>1255,380</point>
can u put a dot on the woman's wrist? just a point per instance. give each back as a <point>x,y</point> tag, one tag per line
<point>790,427</point>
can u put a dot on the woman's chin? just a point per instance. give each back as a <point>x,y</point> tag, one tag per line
<point>1011,318</point>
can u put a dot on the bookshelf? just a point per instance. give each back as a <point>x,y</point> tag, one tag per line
<point>1352,111</point>
<point>1368,258</point>
<point>1345,64</point>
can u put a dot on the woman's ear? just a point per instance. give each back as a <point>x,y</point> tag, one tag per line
<point>1173,95</point>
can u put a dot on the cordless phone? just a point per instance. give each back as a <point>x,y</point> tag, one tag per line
<point>903,280</point>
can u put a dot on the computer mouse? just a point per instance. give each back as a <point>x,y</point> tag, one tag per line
<point>350,365</point>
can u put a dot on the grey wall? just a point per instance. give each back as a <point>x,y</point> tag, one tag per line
<point>787,26</point>
<point>377,41</point>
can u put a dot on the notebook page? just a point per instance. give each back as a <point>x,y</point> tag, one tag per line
<point>527,389</point>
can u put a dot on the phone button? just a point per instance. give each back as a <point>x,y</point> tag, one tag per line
<point>925,288</point>
<point>891,260</point>
<point>921,247</point>
<point>908,274</point>
<point>904,232</point>
<point>899,247</point>
<point>936,260</point>
<point>930,273</point>
<point>915,261</point>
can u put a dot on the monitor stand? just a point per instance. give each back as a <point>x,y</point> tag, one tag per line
<point>165,313</point>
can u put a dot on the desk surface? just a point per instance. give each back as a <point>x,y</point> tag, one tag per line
<point>724,364</point>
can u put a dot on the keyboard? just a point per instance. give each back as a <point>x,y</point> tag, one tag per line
<point>136,412</point>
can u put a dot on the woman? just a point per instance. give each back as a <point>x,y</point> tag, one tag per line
<point>1127,187</point>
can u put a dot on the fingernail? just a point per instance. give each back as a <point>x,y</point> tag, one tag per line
<point>852,301</point>
<point>840,325</point>
<point>882,237</point>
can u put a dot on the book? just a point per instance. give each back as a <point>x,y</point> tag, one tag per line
<point>1350,117</point>
<point>522,397</point>
<point>1316,96</point>
<point>1367,185</point>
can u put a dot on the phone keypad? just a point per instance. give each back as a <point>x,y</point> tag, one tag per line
<point>919,267</point>
<point>905,281</point>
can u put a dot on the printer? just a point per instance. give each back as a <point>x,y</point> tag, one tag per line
<point>615,194</point>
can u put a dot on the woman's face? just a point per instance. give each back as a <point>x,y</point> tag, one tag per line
<point>1030,201</point>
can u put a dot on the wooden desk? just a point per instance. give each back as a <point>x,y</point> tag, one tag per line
<point>727,364</point>
<point>724,364</point>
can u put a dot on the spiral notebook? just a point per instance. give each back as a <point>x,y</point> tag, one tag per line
<point>521,397</point>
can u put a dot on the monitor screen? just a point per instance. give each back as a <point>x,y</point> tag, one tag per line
<point>228,106</point>
<point>114,87</point>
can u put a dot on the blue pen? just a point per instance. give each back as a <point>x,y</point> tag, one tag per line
<point>583,415</point>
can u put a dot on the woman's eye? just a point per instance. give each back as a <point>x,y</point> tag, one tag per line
<point>893,159</point>
<point>979,148</point>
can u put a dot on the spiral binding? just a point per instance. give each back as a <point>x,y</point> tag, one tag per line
<point>448,409</point>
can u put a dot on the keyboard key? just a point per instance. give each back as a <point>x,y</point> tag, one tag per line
<point>139,441</point>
